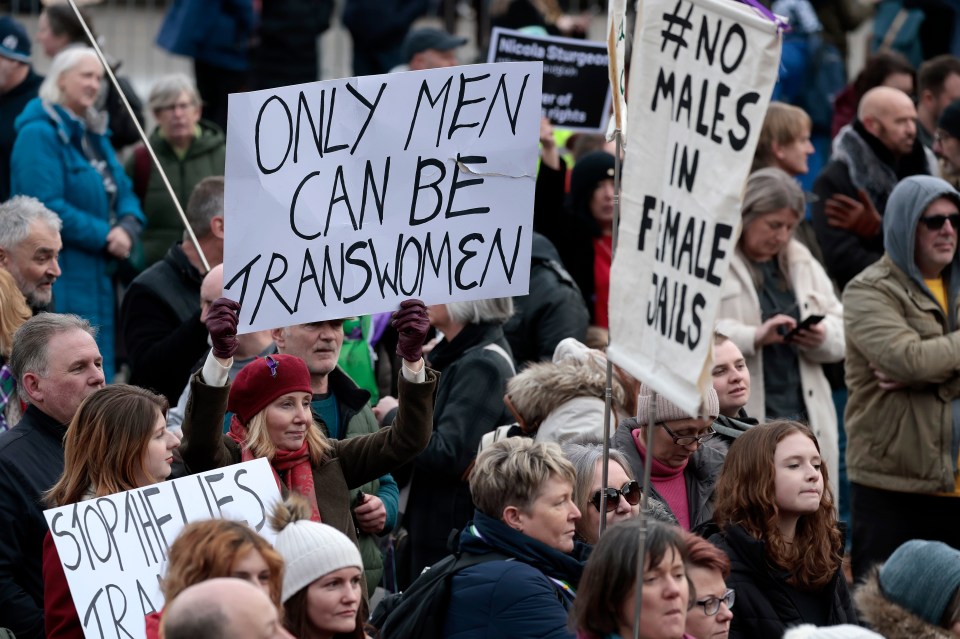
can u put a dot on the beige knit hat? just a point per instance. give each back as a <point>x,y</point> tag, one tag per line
<point>668,411</point>
<point>310,550</point>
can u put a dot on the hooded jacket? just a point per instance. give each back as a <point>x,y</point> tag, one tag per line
<point>48,163</point>
<point>529,595</point>
<point>889,619</point>
<point>905,440</point>
<point>562,400</point>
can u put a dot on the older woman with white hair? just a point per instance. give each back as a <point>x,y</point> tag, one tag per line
<point>189,149</point>
<point>475,363</point>
<point>63,157</point>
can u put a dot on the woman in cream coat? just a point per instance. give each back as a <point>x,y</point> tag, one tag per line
<point>774,284</point>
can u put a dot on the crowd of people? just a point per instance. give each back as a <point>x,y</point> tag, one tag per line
<point>815,493</point>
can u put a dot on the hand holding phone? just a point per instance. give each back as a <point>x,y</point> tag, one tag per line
<point>805,324</point>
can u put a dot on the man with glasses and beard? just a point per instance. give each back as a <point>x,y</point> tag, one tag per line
<point>903,372</point>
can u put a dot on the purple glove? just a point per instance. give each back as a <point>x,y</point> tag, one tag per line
<point>222,321</point>
<point>412,323</point>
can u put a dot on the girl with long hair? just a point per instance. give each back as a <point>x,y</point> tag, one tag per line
<point>13,313</point>
<point>118,440</point>
<point>778,526</point>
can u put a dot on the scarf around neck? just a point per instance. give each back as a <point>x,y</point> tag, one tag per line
<point>295,464</point>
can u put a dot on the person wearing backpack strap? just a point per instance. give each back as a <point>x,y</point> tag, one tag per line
<point>524,495</point>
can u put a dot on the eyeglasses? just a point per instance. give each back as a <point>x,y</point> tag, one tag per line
<point>711,605</point>
<point>940,136</point>
<point>936,222</point>
<point>177,106</point>
<point>630,492</point>
<point>686,440</point>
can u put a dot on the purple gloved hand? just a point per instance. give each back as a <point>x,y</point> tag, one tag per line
<point>222,321</point>
<point>412,324</point>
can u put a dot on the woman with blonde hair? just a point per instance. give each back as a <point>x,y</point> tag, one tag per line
<point>13,313</point>
<point>118,440</point>
<point>219,548</point>
<point>778,526</point>
<point>784,139</point>
<point>779,307</point>
<point>270,399</point>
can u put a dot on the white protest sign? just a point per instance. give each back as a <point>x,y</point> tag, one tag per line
<point>114,548</point>
<point>347,196</point>
<point>703,72</point>
<point>576,91</point>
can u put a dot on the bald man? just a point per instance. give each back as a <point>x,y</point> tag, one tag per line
<point>222,608</point>
<point>869,157</point>
<point>252,345</point>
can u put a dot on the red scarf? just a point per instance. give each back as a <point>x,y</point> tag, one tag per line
<point>296,464</point>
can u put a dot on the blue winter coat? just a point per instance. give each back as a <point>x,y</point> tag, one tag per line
<point>526,597</point>
<point>48,163</point>
<point>216,32</point>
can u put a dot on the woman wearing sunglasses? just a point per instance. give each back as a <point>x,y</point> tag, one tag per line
<point>712,610</point>
<point>779,307</point>
<point>623,492</point>
<point>683,471</point>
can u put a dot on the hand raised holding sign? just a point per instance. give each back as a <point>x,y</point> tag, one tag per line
<point>412,322</point>
<point>222,322</point>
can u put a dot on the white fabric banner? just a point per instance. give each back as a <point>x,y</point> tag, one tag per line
<point>347,196</point>
<point>114,548</point>
<point>703,72</point>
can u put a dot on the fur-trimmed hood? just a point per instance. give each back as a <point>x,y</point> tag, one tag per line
<point>889,619</point>
<point>541,388</point>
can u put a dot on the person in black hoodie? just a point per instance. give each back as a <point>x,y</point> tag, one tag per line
<point>779,527</point>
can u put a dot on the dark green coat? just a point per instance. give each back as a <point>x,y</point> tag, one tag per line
<point>205,157</point>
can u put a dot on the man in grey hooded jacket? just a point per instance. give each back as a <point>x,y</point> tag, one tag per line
<point>903,372</point>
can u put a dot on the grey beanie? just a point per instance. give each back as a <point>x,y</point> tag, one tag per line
<point>668,411</point>
<point>922,576</point>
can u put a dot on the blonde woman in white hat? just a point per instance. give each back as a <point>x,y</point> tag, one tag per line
<point>322,582</point>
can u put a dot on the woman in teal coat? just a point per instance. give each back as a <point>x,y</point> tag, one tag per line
<point>63,157</point>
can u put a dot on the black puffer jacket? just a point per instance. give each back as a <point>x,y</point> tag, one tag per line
<point>766,605</point>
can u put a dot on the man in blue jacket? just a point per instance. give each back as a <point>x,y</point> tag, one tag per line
<point>18,85</point>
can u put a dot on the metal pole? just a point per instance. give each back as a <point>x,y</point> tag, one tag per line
<point>641,555</point>
<point>143,135</point>
<point>608,391</point>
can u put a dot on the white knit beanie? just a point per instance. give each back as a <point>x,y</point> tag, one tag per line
<point>846,631</point>
<point>310,550</point>
<point>667,411</point>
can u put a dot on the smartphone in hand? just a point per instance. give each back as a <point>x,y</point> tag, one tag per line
<point>806,323</point>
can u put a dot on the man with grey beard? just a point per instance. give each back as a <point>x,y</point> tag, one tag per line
<point>29,248</point>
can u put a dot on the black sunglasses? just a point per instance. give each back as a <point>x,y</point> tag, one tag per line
<point>630,492</point>
<point>936,222</point>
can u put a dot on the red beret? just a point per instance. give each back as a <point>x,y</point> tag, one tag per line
<point>265,379</point>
